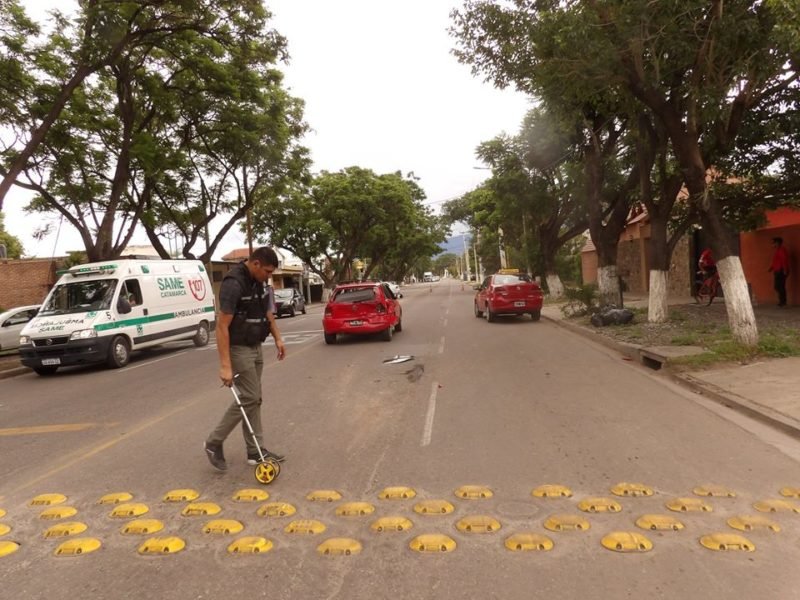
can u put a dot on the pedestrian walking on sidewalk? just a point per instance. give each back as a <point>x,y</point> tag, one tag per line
<point>246,318</point>
<point>780,269</point>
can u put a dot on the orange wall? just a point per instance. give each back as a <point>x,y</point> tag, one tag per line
<point>757,251</point>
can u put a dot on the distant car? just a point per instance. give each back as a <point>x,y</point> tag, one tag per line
<point>395,287</point>
<point>289,301</point>
<point>362,308</point>
<point>11,324</point>
<point>508,294</point>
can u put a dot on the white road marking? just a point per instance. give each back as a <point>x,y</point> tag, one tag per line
<point>150,362</point>
<point>426,435</point>
<point>441,346</point>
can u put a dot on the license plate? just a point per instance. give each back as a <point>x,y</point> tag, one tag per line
<point>46,362</point>
<point>519,303</point>
<point>354,323</point>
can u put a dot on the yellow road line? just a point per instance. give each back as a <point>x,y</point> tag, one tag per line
<point>52,428</point>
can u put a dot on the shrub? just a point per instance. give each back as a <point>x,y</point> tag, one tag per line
<point>581,300</point>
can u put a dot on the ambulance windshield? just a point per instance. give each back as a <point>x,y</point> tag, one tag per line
<point>80,296</point>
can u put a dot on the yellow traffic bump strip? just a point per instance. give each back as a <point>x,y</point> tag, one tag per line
<point>324,496</point>
<point>339,547</point>
<point>251,495</point>
<point>473,492</point>
<point>117,498</point>
<point>276,509</point>
<point>478,524</point>
<point>715,491</point>
<point>142,527</point>
<point>689,505</point>
<point>48,500</point>
<point>305,527</point>
<point>524,542</point>
<point>223,527</point>
<point>397,493</point>
<point>7,548</point>
<point>432,543</point>
<point>78,547</point>
<point>788,492</point>
<point>566,522</point>
<point>753,522</point>
<point>4,529</point>
<point>65,529</point>
<point>2,513</point>
<point>126,511</point>
<point>775,506</point>
<point>392,524</point>
<point>58,512</point>
<point>627,541</point>
<point>596,505</point>
<point>634,490</point>
<point>163,545</point>
<point>659,523</point>
<point>182,495</point>
<point>250,545</point>
<point>201,509</point>
<point>724,542</point>
<point>552,491</point>
<point>355,509</point>
<point>434,507</point>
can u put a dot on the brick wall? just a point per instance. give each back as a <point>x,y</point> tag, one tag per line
<point>25,281</point>
<point>629,266</point>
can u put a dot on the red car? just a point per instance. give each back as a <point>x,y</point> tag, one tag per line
<point>508,293</point>
<point>359,308</point>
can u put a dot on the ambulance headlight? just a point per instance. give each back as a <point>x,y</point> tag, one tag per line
<point>24,340</point>
<point>83,334</point>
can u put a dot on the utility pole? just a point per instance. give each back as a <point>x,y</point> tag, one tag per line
<point>466,257</point>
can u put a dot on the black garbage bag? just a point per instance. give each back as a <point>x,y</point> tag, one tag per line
<point>612,316</point>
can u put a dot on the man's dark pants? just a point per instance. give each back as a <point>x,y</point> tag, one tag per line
<point>780,287</point>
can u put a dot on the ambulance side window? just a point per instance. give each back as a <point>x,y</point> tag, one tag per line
<point>132,291</point>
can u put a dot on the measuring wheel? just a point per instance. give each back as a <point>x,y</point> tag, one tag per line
<point>267,471</point>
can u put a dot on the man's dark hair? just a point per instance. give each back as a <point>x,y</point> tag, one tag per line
<point>265,255</point>
<point>778,240</point>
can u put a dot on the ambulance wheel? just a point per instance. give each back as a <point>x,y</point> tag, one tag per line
<point>267,472</point>
<point>119,352</point>
<point>200,338</point>
<point>49,370</point>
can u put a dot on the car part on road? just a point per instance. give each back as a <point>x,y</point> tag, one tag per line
<point>267,470</point>
<point>397,359</point>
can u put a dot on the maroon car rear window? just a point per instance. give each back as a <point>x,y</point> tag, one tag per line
<point>510,279</point>
<point>354,295</point>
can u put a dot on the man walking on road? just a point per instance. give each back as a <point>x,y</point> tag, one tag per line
<point>245,320</point>
<point>780,269</point>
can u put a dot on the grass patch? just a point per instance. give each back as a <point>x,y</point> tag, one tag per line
<point>687,339</point>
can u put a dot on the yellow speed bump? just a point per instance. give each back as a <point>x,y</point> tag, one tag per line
<point>566,522</point>
<point>552,491</point>
<point>116,498</point>
<point>339,547</point>
<point>162,545</point>
<point>223,527</point>
<point>392,524</point>
<point>474,492</point>
<point>4,529</point>
<point>142,527</point>
<point>305,527</point>
<point>65,529</point>
<point>324,496</point>
<point>251,495</point>
<point>201,509</point>
<point>714,491</point>
<point>7,548</point>
<point>633,490</point>
<point>125,511</point>
<point>627,541</point>
<point>397,493</point>
<point>2,513</point>
<point>478,524</point>
<point>276,509</point>
<point>521,542</point>
<point>723,542</point>
<point>788,492</point>
<point>775,506</point>
<point>659,523</point>
<point>78,546</point>
<point>689,505</point>
<point>434,507</point>
<point>432,543</point>
<point>58,512</point>
<point>753,522</point>
<point>48,500</point>
<point>355,509</point>
<point>181,495</point>
<point>250,545</point>
<point>596,505</point>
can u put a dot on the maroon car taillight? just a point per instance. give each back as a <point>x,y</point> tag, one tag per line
<point>328,312</point>
<point>380,309</point>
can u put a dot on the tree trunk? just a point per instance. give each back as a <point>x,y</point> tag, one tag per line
<point>658,305</point>
<point>658,297</point>
<point>608,286</point>
<point>554,285</point>
<point>741,318</point>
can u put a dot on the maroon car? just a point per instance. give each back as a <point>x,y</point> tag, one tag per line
<point>361,308</point>
<point>508,294</point>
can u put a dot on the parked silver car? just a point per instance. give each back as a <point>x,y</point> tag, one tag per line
<point>11,324</point>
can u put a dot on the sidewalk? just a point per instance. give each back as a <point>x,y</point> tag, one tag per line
<point>768,390</point>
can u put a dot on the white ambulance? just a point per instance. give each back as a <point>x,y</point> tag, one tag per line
<point>100,312</point>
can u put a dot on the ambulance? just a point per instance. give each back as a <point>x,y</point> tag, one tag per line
<point>101,312</point>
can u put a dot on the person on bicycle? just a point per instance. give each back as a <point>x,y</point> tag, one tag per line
<point>707,264</point>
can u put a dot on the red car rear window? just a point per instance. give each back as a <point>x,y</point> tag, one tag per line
<point>354,295</point>
<point>510,279</point>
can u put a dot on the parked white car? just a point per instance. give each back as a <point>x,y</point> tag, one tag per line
<point>11,324</point>
<point>395,287</point>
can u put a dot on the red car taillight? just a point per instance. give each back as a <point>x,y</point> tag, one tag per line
<point>328,311</point>
<point>380,308</point>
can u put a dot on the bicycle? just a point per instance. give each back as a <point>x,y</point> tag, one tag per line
<point>706,287</point>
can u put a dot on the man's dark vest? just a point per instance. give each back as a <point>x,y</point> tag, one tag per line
<point>249,326</point>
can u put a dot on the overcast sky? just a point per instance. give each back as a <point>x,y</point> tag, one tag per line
<point>382,91</point>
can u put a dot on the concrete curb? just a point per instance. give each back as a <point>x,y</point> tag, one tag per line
<point>8,373</point>
<point>743,405</point>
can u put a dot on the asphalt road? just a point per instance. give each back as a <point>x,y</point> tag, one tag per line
<point>510,406</point>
